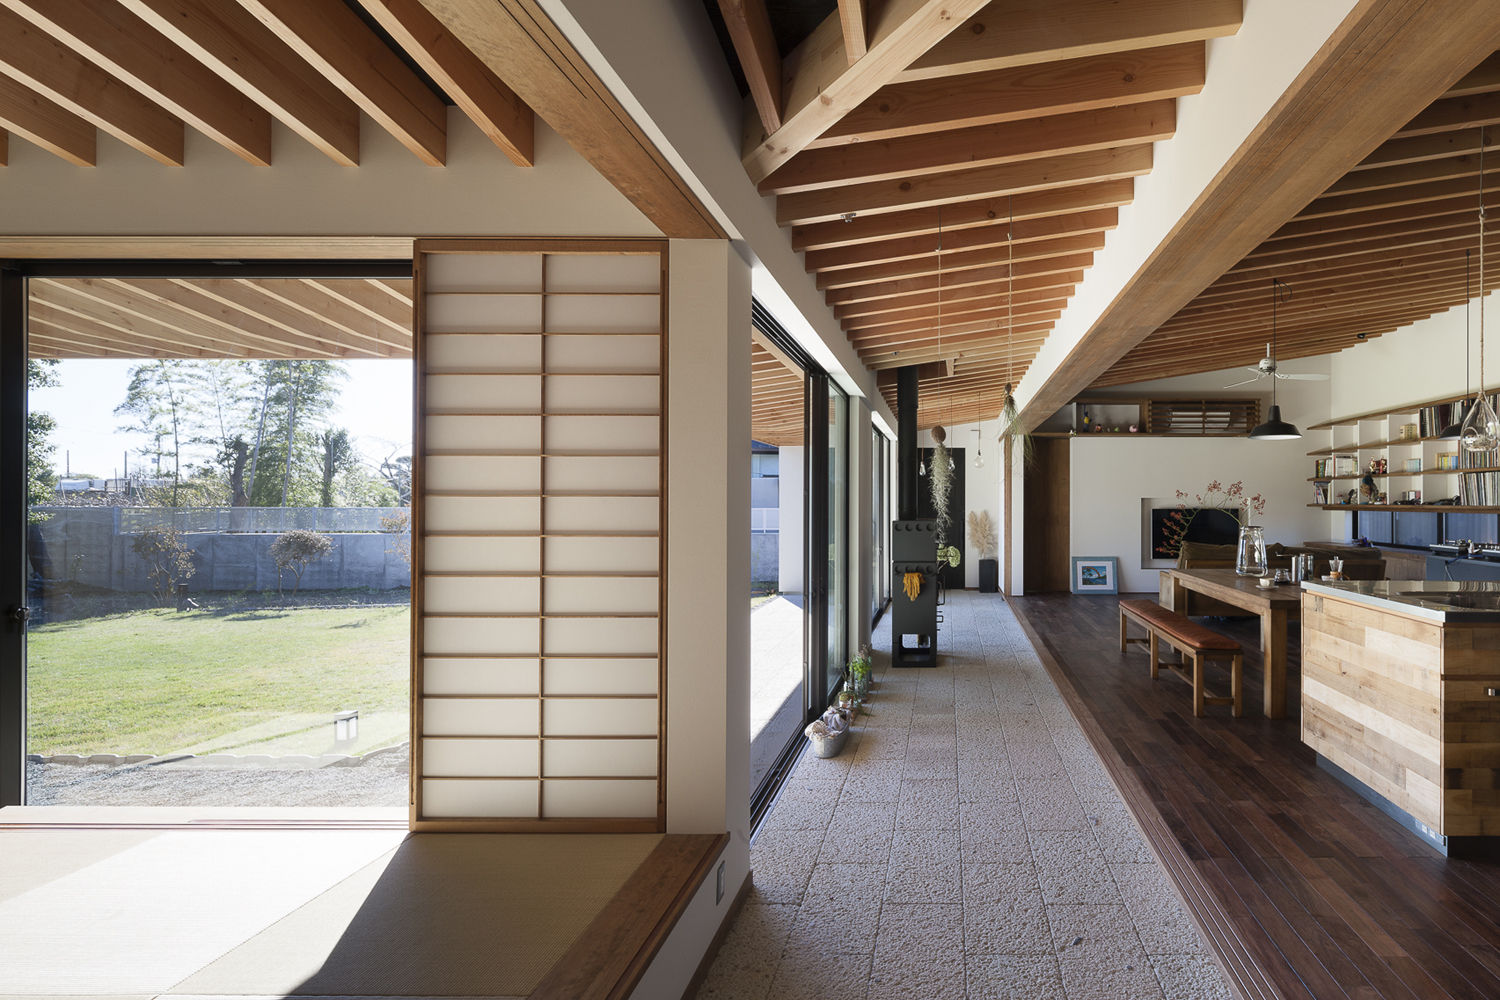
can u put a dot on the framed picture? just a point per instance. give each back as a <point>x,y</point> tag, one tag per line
<point>1095,575</point>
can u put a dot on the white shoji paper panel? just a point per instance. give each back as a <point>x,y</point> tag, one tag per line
<point>483,393</point>
<point>603,513</point>
<point>602,676</point>
<point>603,313</point>
<point>573,594</point>
<point>448,595</point>
<point>484,514</point>
<point>483,314</point>
<point>486,427</point>
<point>482,555</point>
<point>600,273</point>
<point>511,799</point>
<point>599,759</point>
<point>596,474</point>
<point>603,394</point>
<point>565,799</point>
<point>481,434</point>
<point>484,474</point>
<point>612,352</point>
<point>481,273</point>
<point>450,758</point>
<point>599,717</point>
<point>595,434</point>
<point>484,675</point>
<point>628,636</point>
<point>608,555</point>
<point>480,717</point>
<point>448,636</point>
<point>521,352</point>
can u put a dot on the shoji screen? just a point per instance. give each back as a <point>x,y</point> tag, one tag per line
<point>539,518</point>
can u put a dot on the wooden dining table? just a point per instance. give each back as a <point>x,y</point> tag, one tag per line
<point>1275,606</point>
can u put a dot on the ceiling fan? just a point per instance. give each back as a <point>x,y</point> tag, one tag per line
<point>1267,366</point>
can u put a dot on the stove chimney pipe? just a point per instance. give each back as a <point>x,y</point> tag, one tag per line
<point>906,442</point>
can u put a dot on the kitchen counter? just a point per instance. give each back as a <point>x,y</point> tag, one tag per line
<point>1401,692</point>
<point>1439,601</point>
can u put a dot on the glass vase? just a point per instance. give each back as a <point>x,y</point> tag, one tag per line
<point>1250,557</point>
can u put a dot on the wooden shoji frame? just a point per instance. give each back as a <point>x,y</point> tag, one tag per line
<point>433,584</point>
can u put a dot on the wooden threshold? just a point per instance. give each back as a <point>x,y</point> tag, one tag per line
<point>613,953</point>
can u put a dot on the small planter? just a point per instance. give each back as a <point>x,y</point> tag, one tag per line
<point>989,576</point>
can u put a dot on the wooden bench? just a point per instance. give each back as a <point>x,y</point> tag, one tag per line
<point>1195,643</point>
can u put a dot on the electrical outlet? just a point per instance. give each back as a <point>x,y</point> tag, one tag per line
<point>719,886</point>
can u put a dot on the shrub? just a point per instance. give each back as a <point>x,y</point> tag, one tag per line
<point>169,560</point>
<point>296,550</point>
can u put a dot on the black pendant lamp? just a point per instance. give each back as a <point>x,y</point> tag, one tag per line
<point>1276,429</point>
<point>1455,430</point>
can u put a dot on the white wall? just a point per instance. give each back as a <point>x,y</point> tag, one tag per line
<point>1112,473</point>
<point>793,471</point>
<point>303,193</point>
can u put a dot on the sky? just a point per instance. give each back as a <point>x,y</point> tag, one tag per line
<point>375,406</point>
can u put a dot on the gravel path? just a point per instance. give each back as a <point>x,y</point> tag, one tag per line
<point>380,779</point>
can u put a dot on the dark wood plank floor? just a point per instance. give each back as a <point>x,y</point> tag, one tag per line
<point>1329,897</point>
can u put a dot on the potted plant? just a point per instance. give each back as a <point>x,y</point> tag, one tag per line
<point>857,673</point>
<point>987,543</point>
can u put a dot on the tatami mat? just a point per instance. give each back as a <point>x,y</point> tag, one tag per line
<point>445,915</point>
<point>277,913</point>
<point>143,919</point>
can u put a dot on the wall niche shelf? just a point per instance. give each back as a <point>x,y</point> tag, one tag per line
<point>1397,436</point>
<point>1156,416</point>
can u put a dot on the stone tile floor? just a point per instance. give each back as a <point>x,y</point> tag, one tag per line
<point>967,843</point>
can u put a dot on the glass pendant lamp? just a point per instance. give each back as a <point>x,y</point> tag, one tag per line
<point>1481,428</point>
<point>1455,429</point>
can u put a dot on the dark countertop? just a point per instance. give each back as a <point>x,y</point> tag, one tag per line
<point>1468,601</point>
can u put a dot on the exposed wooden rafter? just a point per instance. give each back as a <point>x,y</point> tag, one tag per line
<point>749,27</point>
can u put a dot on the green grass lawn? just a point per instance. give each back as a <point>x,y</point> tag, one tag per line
<point>158,681</point>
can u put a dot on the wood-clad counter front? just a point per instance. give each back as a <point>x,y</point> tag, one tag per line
<point>1399,699</point>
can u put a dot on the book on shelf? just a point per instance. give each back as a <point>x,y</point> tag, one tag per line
<point>1479,488</point>
<point>1320,493</point>
<point>1345,465</point>
<point>1432,419</point>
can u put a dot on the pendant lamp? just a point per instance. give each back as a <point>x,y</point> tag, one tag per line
<point>1455,429</point>
<point>1481,429</point>
<point>1276,429</point>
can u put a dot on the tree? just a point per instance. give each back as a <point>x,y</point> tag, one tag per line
<point>296,550</point>
<point>294,395</point>
<point>41,479</point>
<point>157,398</point>
<point>397,472</point>
<point>338,455</point>
<point>168,558</point>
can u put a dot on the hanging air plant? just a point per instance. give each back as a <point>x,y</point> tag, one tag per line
<point>940,483</point>
<point>1011,430</point>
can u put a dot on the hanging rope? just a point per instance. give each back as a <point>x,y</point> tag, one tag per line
<point>1481,262</point>
<point>1010,295</point>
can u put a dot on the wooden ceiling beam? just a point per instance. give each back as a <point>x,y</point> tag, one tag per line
<point>964,215</point>
<point>1406,195</point>
<point>1453,114</point>
<point>1440,269</point>
<point>1029,231</point>
<point>1421,172</point>
<point>957,336</point>
<point>1368,261</point>
<point>981,146</point>
<point>43,123</point>
<point>48,338</point>
<point>497,110</point>
<point>42,63</point>
<point>1026,32</point>
<point>1421,148</point>
<point>56,308</point>
<point>244,52</point>
<point>959,279</point>
<point>749,26</point>
<point>929,191</point>
<point>1052,298</point>
<point>138,57</point>
<point>303,305</point>
<point>1064,282</point>
<point>1482,79</point>
<point>1334,224</point>
<point>334,41</point>
<point>924,328</point>
<point>822,86</point>
<point>1026,344</point>
<point>1275,260</point>
<point>853,15</point>
<point>1027,92</point>
<point>953,263</point>
<point>521,45</point>
<point>1369,235</point>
